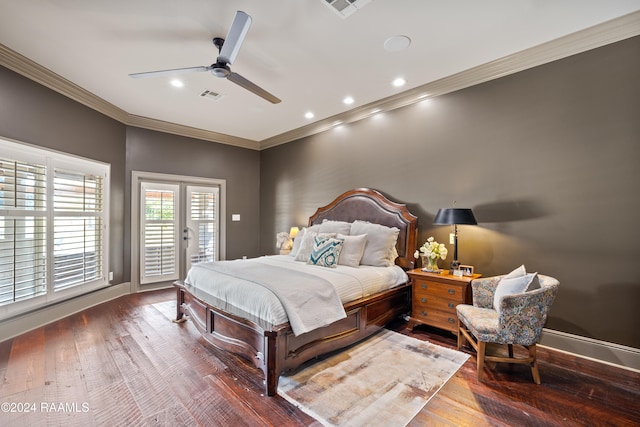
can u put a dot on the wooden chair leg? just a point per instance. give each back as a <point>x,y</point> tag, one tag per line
<point>461,339</point>
<point>480,356</point>
<point>534,364</point>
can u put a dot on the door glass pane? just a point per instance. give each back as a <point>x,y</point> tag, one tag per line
<point>159,249</point>
<point>203,211</point>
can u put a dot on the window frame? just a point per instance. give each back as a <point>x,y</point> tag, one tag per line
<point>56,160</point>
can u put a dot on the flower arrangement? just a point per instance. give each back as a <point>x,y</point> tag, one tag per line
<point>430,252</point>
<point>432,249</point>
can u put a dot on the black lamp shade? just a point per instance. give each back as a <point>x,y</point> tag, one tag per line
<point>455,216</point>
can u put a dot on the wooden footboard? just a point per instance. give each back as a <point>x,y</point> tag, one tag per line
<point>274,348</point>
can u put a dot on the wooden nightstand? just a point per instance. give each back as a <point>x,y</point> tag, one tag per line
<point>435,297</point>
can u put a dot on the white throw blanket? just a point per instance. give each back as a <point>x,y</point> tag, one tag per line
<point>309,301</point>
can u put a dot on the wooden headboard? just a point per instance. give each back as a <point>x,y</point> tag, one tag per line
<point>369,205</point>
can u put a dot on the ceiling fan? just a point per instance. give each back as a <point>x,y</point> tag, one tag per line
<point>228,50</point>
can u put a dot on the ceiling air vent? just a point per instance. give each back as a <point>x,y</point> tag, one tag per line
<point>345,8</point>
<point>211,95</point>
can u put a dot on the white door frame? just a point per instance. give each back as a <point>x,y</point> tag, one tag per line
<point>136,178</point>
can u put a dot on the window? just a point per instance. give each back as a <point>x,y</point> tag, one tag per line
<point>53,226</point>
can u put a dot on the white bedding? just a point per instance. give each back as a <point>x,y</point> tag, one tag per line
<point>350,284</point>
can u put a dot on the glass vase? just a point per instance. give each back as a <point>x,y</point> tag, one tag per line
<point>430,264</point>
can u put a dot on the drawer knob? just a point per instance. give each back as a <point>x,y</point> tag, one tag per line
<point>452,291</point>
<point>424,286</point>
<point>451,320</point>
<point>451,305</point>
<point>423,313</point>
<point>423,299</point>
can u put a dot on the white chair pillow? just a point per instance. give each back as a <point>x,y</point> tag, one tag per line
<point>514,285</point>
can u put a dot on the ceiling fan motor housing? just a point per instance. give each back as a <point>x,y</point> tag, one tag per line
<point>220,69</point>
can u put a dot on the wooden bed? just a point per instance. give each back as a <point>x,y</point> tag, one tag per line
<point>274,348</point>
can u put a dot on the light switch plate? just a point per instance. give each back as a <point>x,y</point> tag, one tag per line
<point>235,217</point>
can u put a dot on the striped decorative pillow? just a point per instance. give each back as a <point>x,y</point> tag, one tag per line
<point>326,251</point>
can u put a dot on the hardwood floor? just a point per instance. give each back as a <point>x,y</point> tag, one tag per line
<point>117,364</point>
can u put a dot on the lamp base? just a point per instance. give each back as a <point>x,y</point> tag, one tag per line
<point>455,265</point>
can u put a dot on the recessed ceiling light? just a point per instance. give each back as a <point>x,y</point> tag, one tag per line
<point>309,115</point>
<point>348,100</point>
<point>399,82</point>
<point>176,83</point>
<point>396,43</point>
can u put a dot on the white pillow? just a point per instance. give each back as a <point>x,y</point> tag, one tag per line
<point>296,242</point>
<point>521,271</point>
<point>340,227</point>
<point>352,249</point>
<point>380,243</point>
<point>518,272</point>
<point>306,245</point>
<point>514,285</point>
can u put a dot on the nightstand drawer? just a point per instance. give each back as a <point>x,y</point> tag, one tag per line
<point>437,318</point>
<point>443,290</point>
<point>430,302</point>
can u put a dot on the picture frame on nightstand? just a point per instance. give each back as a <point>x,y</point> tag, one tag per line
<point>467,270</point>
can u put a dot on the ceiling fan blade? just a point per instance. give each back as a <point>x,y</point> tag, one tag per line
<point>235,37</point>
<point>169,72</point>
<point>252,87</point>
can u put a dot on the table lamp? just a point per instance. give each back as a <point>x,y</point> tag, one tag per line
<point>455,216</point>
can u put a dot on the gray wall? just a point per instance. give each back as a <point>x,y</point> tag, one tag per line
<point>159,152</point>
<point>547,158</point>
<point>37,115</point>
<point>34,114</point>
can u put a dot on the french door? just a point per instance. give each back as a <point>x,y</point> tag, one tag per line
<point>179,227</point>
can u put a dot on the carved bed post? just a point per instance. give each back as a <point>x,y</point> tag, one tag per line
<point>271,365</point>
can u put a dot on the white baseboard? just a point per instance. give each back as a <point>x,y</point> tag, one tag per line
<point>24,323</point>
<point>589,348</point>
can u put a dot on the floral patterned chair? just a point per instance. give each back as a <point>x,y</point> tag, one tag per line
<point>520,321</point>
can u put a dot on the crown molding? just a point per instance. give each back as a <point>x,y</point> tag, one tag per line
<point>191,132</point>
<point>599,35</point>
<point>608,32</point>
<point>39,74</point>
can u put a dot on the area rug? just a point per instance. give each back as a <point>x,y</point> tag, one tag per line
<point>383,381</point>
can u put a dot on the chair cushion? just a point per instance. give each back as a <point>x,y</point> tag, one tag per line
<point>514,285</point>
<point>481,322</point>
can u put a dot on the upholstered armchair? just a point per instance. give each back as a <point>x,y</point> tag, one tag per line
<point>517,319</point>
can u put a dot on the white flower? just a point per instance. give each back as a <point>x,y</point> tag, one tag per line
<point>432,249</point>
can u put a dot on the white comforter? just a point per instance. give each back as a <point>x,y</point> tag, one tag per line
<point>244,294</point>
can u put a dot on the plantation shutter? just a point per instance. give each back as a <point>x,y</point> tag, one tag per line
<point>23,269</point>
<point>77,228</point>
<point>202,224</point>
<point>159,223</point>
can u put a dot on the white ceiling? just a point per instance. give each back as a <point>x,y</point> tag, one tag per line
<point>301,51</point>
